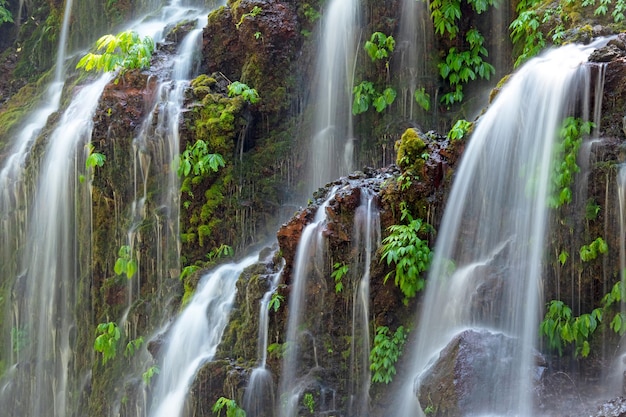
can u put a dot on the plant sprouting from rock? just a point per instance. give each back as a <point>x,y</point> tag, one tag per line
<point>408,252</point>
<point>366,95</point>
<point>5,14</point>
<point>149,374</point>
<point>591,251</point>
<point>339,270</point>
<point>231,408</point>
<point>198,160</point>
<point>93,160</point>
<point>107,336</point>
<point>124,51</point>
<point>460,130</point>
<point>385,353</point>
<point>380,46</point>
<point>240,89</point>
<point>125,263</point>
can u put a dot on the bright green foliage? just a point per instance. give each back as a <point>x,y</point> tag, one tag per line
<point>310,13</point>
<point>525,31</point>
<point>460,130</point>
<point>256,10</point>
<point>197,159</point>
<point>5,14</point>
<point>240,89</point>
<point>590,252</point>
<point>275,302</point>
<point>150,372</point>
<point>188,270</point>
<point>462,66</point>
<point>125,51</point>
<point>410,254</point>
<point>561,328</point>
<point>563,256</point>
<point>125,263</point>
<point>380,46</point>
<point>564,166</point>
<point>309,402</point>
<point>365,95</point>
<point>232,409</point>
<point>133,346</point>
<point>339,270</point>
<point>422,98</point>
<point>222,251</point>
<point>107,336</point>
<point>592,209</point>
<point>385,353</point>
<point>94,159</point>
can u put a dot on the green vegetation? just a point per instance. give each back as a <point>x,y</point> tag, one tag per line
<point>196,159</point>
<point>124,51</point>
<point>256,10</point>
<point>133,346</point>
<point>464,63</point>
<point>460,130</point>
<point>460,66</point>
<point>590,252</point>
<point>107,336</point>
<point>309,402</point>
<point>125,263</point>
<point>385,353</point>
<point>240,89</point>
<point>410,254</point>
<point>378,48</point>
<point>223,251</point>
<point>339,270</point>
<point>5,14</point>
<point>564,166</point>
<point>275,301</point>
<point>422,98</point>
<point>561,328</point>
<point>150,372</point>
<point>232,409</point>
<point>94,159</point>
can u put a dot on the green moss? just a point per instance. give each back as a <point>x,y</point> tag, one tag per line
<point>409,150</point>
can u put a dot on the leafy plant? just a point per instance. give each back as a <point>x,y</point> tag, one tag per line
<point>410,254</point>
<point>422,98</point>
<point>309,402</point>
<point>150,372</point>
<point>125,263</point>
<point>93,160</point>
<point>380,46</point>
<point>385,353</point>
<point>222,251</point>
<point>197,159</point>
<point>276,301</point>
<point>460,129</point>
<point>564,166</point>
<point>462,66</point>
<point>590,252</point>
<point>525,31</point>
<point>365,95</point>
<point>124,51</point>
<point>277,350</point>
<point>256,10</point>
<point>563,256</point>
<point>107,336</point>
<point>5,14</point>
<point>133,346</point>
<point>339,270</point>
<point>240,89</point>
<point>232,409</point>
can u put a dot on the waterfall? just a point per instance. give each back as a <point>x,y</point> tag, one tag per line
<point>332,144</point>
<point>493,230</point>
<point>259,397</point>
<point>194,336</point>
<point>45,291</point>
<point>308,270</point>
<point>367,240</point>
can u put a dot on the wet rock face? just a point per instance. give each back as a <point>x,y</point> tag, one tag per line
<point>454,385</point>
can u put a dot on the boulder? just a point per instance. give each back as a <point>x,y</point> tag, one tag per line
<point>472,375</point>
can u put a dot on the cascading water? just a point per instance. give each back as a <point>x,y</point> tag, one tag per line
<point>492,232</point>
<point>45,291</point>
<point>332,145</point>
<point>259,396</point>
<point>309,257</point>
<point>193,338</point>
<point>367,240</point>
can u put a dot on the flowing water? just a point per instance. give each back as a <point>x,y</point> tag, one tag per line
<point>493,229</point>
<point>332,146</point>
<point>193,338</point>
